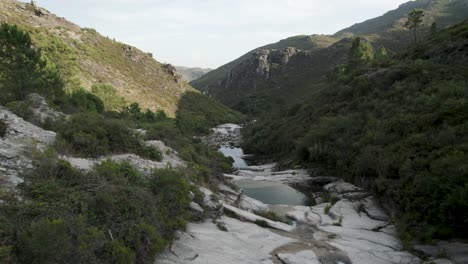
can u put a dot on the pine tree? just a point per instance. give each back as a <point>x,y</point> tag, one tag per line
<point>433,28</point>
<point>361,52</point>
<point>381,54</point>
<point>22,69</point>
<point>414,22</point>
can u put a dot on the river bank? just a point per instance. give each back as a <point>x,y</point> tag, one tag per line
<point>345,225</point>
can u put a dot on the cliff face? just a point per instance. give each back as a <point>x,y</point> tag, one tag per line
<point>287,72</point>
<point>92,58</point>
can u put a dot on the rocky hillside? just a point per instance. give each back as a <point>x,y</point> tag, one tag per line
<point>87,58</point>
<point>292,69</point>
<point>190,74</point>
<point>396,127</point>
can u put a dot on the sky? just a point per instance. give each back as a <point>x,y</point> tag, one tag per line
<point>210,33</point>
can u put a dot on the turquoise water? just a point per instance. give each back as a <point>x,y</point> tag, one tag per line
<point>272,193</point>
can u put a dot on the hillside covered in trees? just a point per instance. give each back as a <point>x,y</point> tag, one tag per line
<point>395,125</point>
<point>289,71</point>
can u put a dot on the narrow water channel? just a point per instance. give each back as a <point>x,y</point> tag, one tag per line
<point>268,192</point>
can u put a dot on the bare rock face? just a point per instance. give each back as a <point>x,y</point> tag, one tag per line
<point>17,146</point>
<point>42,112</point>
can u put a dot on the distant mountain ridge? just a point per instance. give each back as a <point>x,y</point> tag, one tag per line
<point>190,74</point>
<point>242,83</point>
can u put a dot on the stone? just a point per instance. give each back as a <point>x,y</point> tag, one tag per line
<point>196,212</point>
<point>302,257</point>
<point>244,243</point>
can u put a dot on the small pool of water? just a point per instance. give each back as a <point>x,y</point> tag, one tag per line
<point>272,193</point>
<point>266,192</point>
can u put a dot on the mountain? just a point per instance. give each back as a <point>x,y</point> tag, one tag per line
<point>287,72</point>
<point>88,58</point>
<point>395,127</point>
<point>190,74</point>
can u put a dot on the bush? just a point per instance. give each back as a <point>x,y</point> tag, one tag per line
<point>109,215</point>
<point>150,152</point>
<point>24,70</point>
<point>92,135</point>
<point>109,96</point>
<point>3,128</point>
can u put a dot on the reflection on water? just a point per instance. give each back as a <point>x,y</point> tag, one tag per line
<point>272,193</point>
<point>267,192</point>
<point>236,154</point>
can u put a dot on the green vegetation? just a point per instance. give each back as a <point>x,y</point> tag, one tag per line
<point>361,53</point>
<point>396,127</point>
<point>113,213</point>
<point>92,135</point>
<point>22,68</point>
<point>110,215</point>
<point>197,113</point>
<point>109,96</point>
<point>414,22</point>
<point>241,85</point>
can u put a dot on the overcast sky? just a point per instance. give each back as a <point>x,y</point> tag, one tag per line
<point>210,33</point>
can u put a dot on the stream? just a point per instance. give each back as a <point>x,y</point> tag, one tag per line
<point>351,230</point>
<point>272,193</point>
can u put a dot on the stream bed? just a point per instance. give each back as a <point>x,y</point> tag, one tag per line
<point>273,193</point>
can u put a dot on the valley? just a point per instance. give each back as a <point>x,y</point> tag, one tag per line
<point>343,148</point>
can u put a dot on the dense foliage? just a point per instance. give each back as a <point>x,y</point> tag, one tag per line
<point>22,68</point>
<point>197,113</point>
<point>110,215</point>
<point>92,135</point>
<point>396,127</point>
<point>113,213</point>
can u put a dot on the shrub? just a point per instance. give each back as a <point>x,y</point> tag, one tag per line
<point>327,208</point>
<point>109,215</point>
<point>108,94</point>
<point>150,152</point>
<point>92,135</point>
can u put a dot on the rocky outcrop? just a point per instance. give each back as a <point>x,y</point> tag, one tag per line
<point>18,145</point>
<point>42,113</point>
<point>224,135</point>
<point>170,158</point>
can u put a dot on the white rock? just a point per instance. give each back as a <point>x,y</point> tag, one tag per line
<point>302,257</point>
<point>245,243</point>
<point>253,217</point>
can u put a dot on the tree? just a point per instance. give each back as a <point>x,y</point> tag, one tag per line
<point>381,54</point>
<point>361,52</point>
<point>414,22</point>
<point>433,28</point>
<point>22,69</point>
